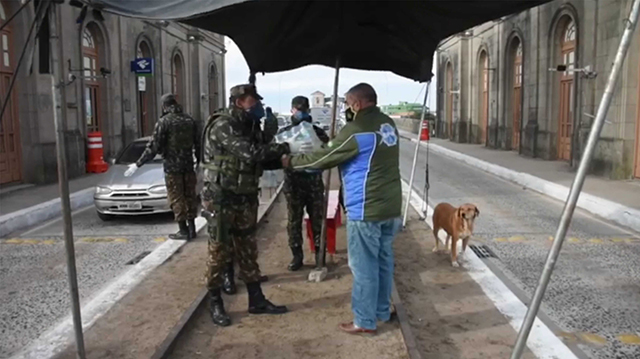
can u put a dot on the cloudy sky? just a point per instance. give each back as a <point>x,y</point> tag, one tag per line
<point>279,88</point>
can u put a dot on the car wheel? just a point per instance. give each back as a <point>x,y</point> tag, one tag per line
<point>105,217</point>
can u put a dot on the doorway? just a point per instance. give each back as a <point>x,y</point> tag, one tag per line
<point>565,128</point>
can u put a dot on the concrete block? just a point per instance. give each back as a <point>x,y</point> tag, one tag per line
<point>318,275</point>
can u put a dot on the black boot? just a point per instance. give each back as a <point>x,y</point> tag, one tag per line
<point>258,304</point>
<point>264,278</point>
<point>192,229</point>
<point>183,233</point>
<point>297,261</point>
<point>229,284</point>
<point>216,308</point>
<point>320,262</point>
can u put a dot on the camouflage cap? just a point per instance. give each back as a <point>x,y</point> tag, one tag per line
<point>244,90</point>
<point>168,98</point>
<point>301,103</point>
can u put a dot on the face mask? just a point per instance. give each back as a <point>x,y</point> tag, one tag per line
<point>299,117</point>
<point>256,112</point>
<point>348,114</point>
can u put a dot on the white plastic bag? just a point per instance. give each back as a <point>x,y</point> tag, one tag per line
<point>302,138</point>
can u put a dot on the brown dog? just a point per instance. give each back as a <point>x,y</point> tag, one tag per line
<point>457,222</point>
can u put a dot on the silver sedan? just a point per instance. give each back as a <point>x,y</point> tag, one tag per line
<point>142,193</point>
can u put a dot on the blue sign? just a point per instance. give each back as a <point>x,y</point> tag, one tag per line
<point>142,66</point>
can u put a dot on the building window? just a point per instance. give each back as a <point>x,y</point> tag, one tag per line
<point>90,66</point>
<point>213,89</point>
<point>483,102</point>
<point>517,95</point>
<point>567,51</point>
<point>145,89</point>
<point>177,78</point>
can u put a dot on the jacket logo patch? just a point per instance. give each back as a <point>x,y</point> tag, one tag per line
<point>388,134</point>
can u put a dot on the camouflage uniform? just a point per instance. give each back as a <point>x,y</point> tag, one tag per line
<point>304,190</point>
<point>236,151</point>
<point>176,138</point>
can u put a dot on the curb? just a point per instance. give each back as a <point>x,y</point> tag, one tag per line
<point>405,326</point>
<point>542,342</point>
<point>609,210</point>
<point>41,212</point>
<point>166,346</point>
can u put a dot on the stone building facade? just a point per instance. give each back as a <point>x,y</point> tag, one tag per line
<point>499,85</point>
<point>122,106</point>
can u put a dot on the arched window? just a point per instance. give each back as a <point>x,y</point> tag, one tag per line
<point>483,95</point>
<point>567,51</point>
<point>177,78</point>
<point>213,89</point>
<point>146,91</point>
<point>91,66</point>
<point>449,98</point>
<point>516,99</point>
<point>10,162</point>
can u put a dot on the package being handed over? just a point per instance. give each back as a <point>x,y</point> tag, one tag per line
<point>301,138</point>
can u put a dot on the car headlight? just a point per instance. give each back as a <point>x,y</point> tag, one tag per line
<point>160,189</point>
<point>103,190</point>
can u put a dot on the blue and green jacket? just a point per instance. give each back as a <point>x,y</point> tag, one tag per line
<point>367,151</point>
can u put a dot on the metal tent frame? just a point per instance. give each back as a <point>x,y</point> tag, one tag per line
<point>58,97</point>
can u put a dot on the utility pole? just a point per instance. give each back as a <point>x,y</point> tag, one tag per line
<point>57,85</point>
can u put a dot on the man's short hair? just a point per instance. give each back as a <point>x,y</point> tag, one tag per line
<point>300,103</point>
<point>168,99</point>
<point>364,91</point>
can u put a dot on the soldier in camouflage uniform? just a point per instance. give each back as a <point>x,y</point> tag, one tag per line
<point>177,139</point>
<point>303,190</point>
<point>235,152</point>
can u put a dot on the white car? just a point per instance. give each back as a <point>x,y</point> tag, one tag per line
<point>142,193</point>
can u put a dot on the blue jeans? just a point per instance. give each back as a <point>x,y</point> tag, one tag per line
<point>371,262</point>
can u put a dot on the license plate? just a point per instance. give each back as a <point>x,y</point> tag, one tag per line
<point>130,205</point>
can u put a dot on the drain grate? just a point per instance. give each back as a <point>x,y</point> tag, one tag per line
<point>138,258</point>
<point>482,251</point>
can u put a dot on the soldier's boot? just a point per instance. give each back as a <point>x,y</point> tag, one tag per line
<point>264,278</point>
<point>216,308</point>
<point>229,281</point>
<point>258,304</point>
<point>320,262</point>
<point>183,232</point>
<point>192,229</point>
<point>298,258</point>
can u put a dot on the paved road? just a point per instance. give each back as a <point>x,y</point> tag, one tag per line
<point>594,295</point>
<point>34,292</point>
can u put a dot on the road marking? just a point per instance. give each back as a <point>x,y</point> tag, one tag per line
<point>501,239</point>
<point>542,341</point>
<point>592,338</point>
<point>28,241</point>
<point>60,336</point>
<point>574,240</point>
<point>55,220</point>
<point>516,239</point>
<point>629,339</point>
<point>160,239</point>
<point>596,241</point>
<point>57,338</point>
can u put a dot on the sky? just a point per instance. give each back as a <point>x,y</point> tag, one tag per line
<point>279,88</point>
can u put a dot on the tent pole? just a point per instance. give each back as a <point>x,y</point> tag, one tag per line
<point>576,187</point>
<point>327,187</point>
<point>57,83</point>
<point>415,156</point>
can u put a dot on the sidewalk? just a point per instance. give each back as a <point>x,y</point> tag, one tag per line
<point>615,200</point>
<point>29,205</point>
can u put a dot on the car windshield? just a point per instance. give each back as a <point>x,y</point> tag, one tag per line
<point>133,152</point>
